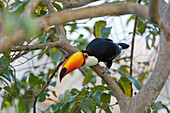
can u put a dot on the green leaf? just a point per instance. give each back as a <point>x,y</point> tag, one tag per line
<point>124,70</point>
<point>99,88</point>
<point>72,107</point>
<point>97,27</point>
<point>44,38</point>
<point>87,79</point>
<point>105,100</point>
<point>55,107</point>
<point>167,109</point>
<point>125,84</point>
<point>22,107</point>
<point>156,106</point>
<point>3,61</point>
<point>131,18</point>
<point>88,105</point>
<point>6,76</point>
<point>1,5</point>
<point>135,82</point>
<point>52,83</point>
<point>42,97</point>
<point>146,63</point>
<point>16,5</point>
<point>96,97</point>
<point>33,80</point>
<point>57,6</point>
<point>65,107</point>
<point>63,97</point>
<point>57,56</point>
<point>147,42</point>
<point>105,31</point>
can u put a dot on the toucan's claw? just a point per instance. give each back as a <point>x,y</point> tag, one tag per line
<point>105,71</point>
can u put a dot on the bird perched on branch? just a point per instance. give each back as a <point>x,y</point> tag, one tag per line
<point>97,50</point>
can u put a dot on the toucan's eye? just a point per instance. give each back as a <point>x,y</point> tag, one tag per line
<point>86,56</point>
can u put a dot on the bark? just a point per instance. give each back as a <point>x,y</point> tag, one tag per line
<point>149,92</point>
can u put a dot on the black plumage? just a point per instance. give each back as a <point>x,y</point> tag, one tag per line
<point>105,50</point>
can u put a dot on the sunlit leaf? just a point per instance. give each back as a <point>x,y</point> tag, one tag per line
<point>97,28</point>
<point>125,83</point>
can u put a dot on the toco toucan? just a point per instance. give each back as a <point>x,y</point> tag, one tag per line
<point>97,50</point>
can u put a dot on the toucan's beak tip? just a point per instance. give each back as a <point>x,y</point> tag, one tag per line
<point>63,73</point>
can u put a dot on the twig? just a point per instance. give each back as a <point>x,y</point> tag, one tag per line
<point>31,57</point>
<point>45,86</point>
<point>35,47</point>
<point>118,59</point>
<point>132,48</point>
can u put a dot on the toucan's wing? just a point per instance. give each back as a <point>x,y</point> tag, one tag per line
<point>103,49</point>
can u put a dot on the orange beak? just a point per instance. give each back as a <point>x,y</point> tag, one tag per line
<point>75,61</point>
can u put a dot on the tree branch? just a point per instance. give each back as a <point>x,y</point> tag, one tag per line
<point>69,4</point>
<point>29,9</point>
<point>155,17</point>
<point>95,11</point>
<point>57,44</point>
<point>132,48</point>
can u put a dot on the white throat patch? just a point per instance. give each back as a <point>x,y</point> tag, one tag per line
<point>91,61</point>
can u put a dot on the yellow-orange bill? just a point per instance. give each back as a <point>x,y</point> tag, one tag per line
<point>75,61</point>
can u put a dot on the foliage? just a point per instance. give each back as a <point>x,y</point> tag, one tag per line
<point>88,99</point>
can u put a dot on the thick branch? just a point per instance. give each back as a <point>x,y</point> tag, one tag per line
<point>155,16</point>
<point>6,41</point>
<point>96,11</point>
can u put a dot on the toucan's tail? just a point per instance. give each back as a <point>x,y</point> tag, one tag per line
<point>123,45</point>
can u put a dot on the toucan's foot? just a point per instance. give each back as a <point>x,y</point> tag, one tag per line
<point>105,71</point>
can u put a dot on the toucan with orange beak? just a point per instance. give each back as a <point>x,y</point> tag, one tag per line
<point>97,50</point>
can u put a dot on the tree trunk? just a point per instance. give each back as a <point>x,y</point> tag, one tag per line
<point>148,94</point>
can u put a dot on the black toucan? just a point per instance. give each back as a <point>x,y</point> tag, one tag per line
<point>97,50</point>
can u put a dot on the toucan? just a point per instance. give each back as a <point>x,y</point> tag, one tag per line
<point>99,49</point>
